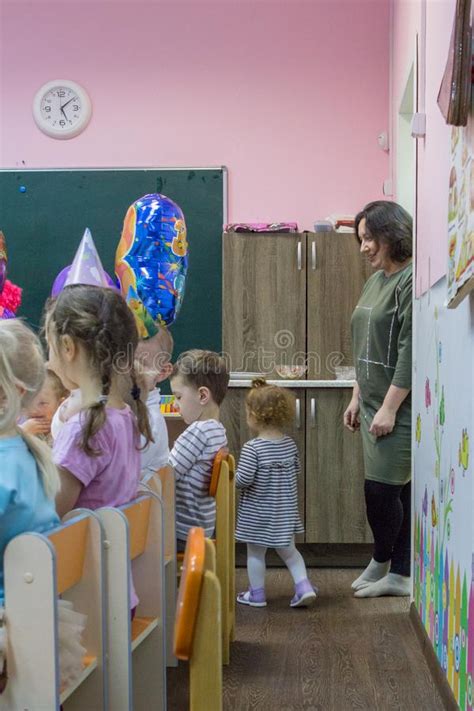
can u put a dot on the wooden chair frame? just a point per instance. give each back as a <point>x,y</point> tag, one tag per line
<point>222,488</point>
<point>134,545</point>
<point>66,562</point>
<point>198,634</point>
<point>163,484</point>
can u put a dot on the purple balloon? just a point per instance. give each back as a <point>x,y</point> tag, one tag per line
<point>60,280</point>
<point>3,273</point>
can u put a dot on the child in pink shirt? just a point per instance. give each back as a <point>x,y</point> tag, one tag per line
<point>111,477</point>
<point>92,339</point>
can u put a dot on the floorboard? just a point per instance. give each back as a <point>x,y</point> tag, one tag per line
<point>342,654</point>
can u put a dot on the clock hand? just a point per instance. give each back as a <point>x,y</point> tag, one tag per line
<point>67,102</point>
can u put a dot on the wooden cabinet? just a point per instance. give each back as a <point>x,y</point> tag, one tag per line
<point>264,300</point>
<point>233,418</point>
<point>335,276</point>
<point>288,300</point>
<point>334,501</point>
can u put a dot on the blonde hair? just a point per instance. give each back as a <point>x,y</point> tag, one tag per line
<point>203,369</point>
<point>22,368</point>
<point>100,320</point>
<point>270,405</point>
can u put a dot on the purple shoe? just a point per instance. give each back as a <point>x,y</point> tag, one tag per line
<point>304,595</point>
<point>254,598</point>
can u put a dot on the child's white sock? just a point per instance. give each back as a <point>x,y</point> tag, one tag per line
<point>391,584</point>
<point>256,565</point>
<point>374,571</point>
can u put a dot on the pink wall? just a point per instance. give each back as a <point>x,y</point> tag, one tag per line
<point>290,96</point>
<point>434,149</point>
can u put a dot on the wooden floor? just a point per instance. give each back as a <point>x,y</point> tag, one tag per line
<point>341,654</point>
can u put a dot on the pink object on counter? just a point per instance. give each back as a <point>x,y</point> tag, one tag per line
<point>261,227</point>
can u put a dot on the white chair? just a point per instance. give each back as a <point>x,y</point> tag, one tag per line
<point>134,546</point>
<point>66,563</point>
<point>163,484</point>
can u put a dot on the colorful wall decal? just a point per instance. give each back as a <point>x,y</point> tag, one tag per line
<point>443,487</point>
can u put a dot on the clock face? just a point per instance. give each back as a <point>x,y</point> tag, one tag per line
<point>62,109</point>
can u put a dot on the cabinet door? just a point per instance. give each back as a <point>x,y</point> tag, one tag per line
<point>264,301</point>
<point>336,274</point>
<point>335,506</point>
<point>233,418</point>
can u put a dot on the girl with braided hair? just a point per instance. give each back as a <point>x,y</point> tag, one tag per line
<point>92,338</point>
<point>268,514</point>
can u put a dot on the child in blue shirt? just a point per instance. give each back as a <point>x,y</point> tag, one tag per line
<point>28,478</point>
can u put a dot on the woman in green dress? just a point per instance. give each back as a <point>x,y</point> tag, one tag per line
<point>380,407</point>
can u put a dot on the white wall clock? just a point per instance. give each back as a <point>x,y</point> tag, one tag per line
<point>62,108</point>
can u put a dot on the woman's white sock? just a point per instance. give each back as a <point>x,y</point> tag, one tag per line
<point>374,571</point>
<point>391,584</point>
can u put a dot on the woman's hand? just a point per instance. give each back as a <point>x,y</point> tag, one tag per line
<point>383,422</point>
<point>351,416</point>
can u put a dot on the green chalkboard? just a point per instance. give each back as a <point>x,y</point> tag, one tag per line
<point>43,215</point>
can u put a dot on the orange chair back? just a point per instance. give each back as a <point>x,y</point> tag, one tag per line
<point>70,546</point>
<point>189,593</point>
<point>138,517</point>
<point>221,456</point>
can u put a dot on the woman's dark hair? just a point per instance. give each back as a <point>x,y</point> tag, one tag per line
<point>389,223</point>
<point>100,320</point>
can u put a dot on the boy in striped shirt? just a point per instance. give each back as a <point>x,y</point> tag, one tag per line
<point>199,383</point>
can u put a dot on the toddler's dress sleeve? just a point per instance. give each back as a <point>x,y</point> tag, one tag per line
<point>247,468</point>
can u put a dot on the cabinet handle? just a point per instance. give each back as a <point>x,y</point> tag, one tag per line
<point>313,412</point>
<point>298,253</point>
<point>298,413</point>
<point>313,256</point>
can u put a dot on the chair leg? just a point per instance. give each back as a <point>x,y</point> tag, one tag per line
<point>170,593</point>
<point>205,666</point>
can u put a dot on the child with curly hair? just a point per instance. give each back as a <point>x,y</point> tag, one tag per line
<point>267,474</point>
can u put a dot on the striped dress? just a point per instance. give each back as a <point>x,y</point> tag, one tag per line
<point>268,507</point>
<point>192,458</point>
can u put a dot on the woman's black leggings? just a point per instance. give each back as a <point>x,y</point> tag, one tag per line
<point>389,514</point>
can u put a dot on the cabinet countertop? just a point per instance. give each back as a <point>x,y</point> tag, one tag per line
<point>239,382</point>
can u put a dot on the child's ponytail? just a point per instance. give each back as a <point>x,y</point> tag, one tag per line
<point>259,383</point>
<point>141,410</point>
<point>96,414</point>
